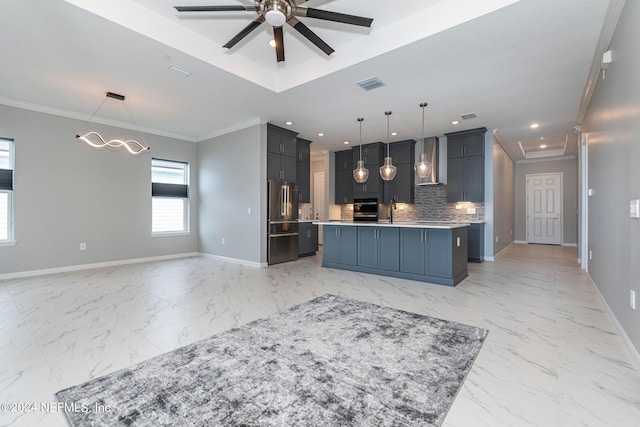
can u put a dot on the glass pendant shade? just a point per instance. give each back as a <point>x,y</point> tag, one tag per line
<point>423,166</point>
<point>360,173</point>
<point>387,171</point>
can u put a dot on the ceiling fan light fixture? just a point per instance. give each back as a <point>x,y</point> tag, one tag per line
<point>275,18</point>
<point>276,12</point>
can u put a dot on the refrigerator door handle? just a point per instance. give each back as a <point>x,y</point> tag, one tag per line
<point>283,201</point>
<point>284,235</point>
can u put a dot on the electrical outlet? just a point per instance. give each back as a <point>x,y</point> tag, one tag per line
<point>496,239</point>
<point>248,211</point>
<point>83,246</point>
<point>471,211</point>
<point>590,254</point>
<point>632,299</point>
<point>458,241</point>
<point>224,241</point>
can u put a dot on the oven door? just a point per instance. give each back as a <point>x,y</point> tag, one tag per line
<point>365,210</point>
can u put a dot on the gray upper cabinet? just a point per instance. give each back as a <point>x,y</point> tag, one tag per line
<point>465,166</point>
<point>344,177</point>
<point>281,154</point>
<point>303,170</point>
<point>373,156</point>
<point>403,155</point>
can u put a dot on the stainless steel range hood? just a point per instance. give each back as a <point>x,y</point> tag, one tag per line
<point>430,146</point>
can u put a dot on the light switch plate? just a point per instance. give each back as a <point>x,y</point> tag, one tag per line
<point>471,211</point>
<point>634,208</point>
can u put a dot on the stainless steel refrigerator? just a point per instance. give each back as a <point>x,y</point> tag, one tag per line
<point>282,222</point>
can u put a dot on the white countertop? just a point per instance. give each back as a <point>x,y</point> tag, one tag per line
<point>403,224</point>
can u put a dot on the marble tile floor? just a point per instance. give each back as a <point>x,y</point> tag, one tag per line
<point>552,358</point>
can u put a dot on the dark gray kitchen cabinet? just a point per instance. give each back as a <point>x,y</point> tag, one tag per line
<point>307,239</point>
<point>433,252</point>
<point>378,247</point>
<point>303,170</point>
<point>401,188</point>
<point>343,177</point>
<point>373,156</point>
<point>465,166</point>
<point>281,141</point>
<point>476,242</point>
<point>340,244</point>
<point>466,143</point>
<point>281,154</point>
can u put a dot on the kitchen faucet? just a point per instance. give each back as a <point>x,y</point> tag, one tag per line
<point>392,206</point>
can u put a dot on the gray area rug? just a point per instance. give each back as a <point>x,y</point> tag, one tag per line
<point>331,361</point>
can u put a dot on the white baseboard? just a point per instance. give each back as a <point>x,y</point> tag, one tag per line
<point>235,260</point>
<point>499,254</point>
<point>521,242</point>
<point>69,268</point>
<point>633,351</point>
<point>571,245</point>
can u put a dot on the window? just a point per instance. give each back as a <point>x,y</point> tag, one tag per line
<point>169,196</point>
<point>6,190</point>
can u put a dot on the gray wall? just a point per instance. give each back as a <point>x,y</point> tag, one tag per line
<point>613,127</point>
<point>503,199</point>
<point>232,180</point>
<point>569,169</point>
<point>67,193</point>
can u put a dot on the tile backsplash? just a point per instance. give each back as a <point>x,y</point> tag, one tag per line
<point>430,205</point>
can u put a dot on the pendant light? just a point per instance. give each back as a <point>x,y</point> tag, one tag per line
<point>423,166</point>
<point>96,140</point>
<point>360,173</point>
<point>387,171</point>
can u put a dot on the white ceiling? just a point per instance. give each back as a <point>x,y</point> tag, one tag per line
<point>510,62</point>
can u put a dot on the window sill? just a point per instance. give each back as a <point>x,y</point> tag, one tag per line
<point>8,243</point>
<point>171,233</point>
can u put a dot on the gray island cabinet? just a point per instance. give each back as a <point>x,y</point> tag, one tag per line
<point>428,252</point>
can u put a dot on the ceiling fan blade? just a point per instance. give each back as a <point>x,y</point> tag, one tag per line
<point>333,16</point>
<point>278,35</point>
<point>215,8</point>
<point>244,33</point>
<point>310,35</point>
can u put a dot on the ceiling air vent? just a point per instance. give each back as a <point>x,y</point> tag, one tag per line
<point>370,83</point>
<point>468,116</point>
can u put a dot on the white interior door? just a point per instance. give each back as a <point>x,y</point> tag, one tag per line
<point>319,201</point>
<point>544,208</point>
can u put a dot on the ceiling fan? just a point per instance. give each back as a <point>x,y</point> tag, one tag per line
<point>278,12</point>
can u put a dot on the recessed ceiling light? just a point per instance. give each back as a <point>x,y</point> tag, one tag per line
<point>542,137</point>
<point>534,125</point>
<point>455,122</point>
<point>272,43</point>
<point>543,145</point>
<point>346,143</point>
<point>320,134</point>
<point>394,133</point>
<point>288,123</point>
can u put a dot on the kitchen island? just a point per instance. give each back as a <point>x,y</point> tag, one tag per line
<point>434,252</point>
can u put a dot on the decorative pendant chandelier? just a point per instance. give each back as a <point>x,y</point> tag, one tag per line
<point>387,171</point>
<point>423,166</point>
<point>360,173</point>
<point>96,140</point>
